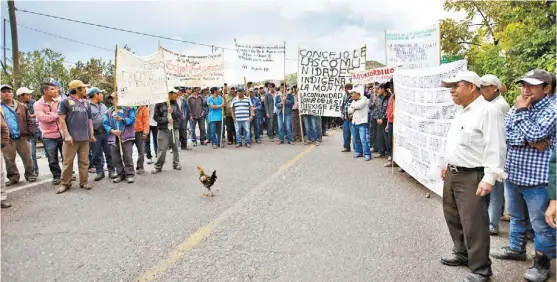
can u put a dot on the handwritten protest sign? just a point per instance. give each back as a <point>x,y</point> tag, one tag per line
<point>380,75</point>
<point>193,71</point>
<point>413,49</point>
<point>424,111</point>
<point>322,76</point>
<point>261,60</point>
<point>140,80</point>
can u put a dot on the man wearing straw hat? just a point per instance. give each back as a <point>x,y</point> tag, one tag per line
<point>77,126</point>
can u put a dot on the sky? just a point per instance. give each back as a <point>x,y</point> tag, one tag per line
<point>332,25</point>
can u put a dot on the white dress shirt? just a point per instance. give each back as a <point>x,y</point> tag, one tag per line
<point>477,139</point>
<point>501,105</point>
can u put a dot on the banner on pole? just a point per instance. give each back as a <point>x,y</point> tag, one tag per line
<point>193,71</point>
<point>380,75</point>
<point>423,114</point>
<point>259,59</point>
<point>413,49</point>
<point>322,76</point>
<point>140,80</point>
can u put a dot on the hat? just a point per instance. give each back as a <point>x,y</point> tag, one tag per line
<point>357,89</point>
<point>54,83</point>
<point>23,90</point>
<point>93,91</point>
<point>535,77</point>
<point>489,80</point>
<point>468,76</point>
<point>240,89</point>
<point>173,91</point>
<point>75,84</point>
<point>5,86</point>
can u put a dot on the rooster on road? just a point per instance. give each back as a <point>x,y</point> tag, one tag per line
<point>208,181</point>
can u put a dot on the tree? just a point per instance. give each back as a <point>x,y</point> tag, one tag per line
<point>504,38</point>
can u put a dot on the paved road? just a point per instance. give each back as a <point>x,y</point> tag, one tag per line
<point>281,213</point>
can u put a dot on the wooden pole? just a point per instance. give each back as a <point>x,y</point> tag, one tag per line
<point>116,94</point>
<point>16,73</point>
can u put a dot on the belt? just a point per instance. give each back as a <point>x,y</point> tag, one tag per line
<point>457,169</point>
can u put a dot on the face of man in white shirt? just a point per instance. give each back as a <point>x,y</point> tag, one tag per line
<point>489,92</point>
<point>463,93</point>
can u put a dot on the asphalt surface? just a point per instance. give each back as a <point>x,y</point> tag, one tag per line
<point>280,213</point>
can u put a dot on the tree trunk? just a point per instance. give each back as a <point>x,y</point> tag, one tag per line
<point>15,48</point>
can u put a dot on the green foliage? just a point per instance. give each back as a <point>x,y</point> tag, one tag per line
<point>504,38</point>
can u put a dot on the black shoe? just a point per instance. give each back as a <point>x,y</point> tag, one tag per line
<point>11,183</point>
<point>99,176</point>
<point>539,271</point>
<point>178,167</point>
<point>155,171</point>
<point>475,277</point>
<point>453,260</point>
<point>118,179</point>
<point>5,204</point>
<point>507,253</point>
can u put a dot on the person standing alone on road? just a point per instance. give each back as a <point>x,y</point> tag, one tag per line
<point>169,119</point>
<point>46,110</point>
<point>21,127</point>
<point>119,125</point>
<point>100,146</point>
<point>474,162</point>
<point>77,127</point>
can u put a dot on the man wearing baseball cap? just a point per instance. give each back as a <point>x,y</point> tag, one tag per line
<point>22,128</point>
<point>530,126</point>
<point>491,91</point>
<point>77,126</point>
<point>474,162</point>
<point>24,96</point>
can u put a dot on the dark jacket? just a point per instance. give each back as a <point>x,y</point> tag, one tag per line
<point>269,104</point>
<point>380,110</point>
<point>160,115</point>
<point>344,106</point>
<point>195,106</point>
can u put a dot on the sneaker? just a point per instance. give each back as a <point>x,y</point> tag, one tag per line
<point>62,189</point>
<point>493,230</point>
<point>290,143</point>
<point>238,145</point>
<point>130,179</point>
<point>5,204</point>
<point>139,171</point>
<point>118,179</point>
<point>99,176</point>
<point>389,158</point>
<point>257,141</point>
<point>86,186</point>
<point>539,271</point>
<point>214,146</point>
<point>248,145</point>
<point>178,167</point>
<point>155,171</point>
<point>317,143</point>
<point>149,161</point>
<point>31,179</point>
<point>112,175</point>
<point>506,253</point>
<point>357,156</point>
<point>367,158</point>
<point>56,181</point>
<point>306,143</point>
<point>11,183</point>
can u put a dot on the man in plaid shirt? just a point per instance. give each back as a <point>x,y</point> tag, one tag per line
<point>530,127</point>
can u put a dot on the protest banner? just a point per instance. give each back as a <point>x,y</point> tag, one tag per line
<point>423,114</point>
<point>322,76</point>
<point>413,49</point>
<point>258,60</point>
<point>141,80</point>
<point>380,75</point>
<point>193,71</point>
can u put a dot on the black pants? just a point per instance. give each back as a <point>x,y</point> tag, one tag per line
<point>230,130</point>
<point>183,134</point>
<point>123,160</point>
<point>467,218</point>
<point>140,145</point>
<point>100,147</point>
<point>381,138</point>
<point>153,132</point>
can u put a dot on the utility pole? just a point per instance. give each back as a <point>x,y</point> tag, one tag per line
<point>15,48</point>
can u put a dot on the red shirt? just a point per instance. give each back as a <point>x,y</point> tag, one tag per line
<point>391,109</point>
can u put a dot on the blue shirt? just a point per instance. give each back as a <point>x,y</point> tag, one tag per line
<point>214,114</point>
<point>525,165</point>
<point>256,103</point>
<point>241,108</point>
<point>11,120</point>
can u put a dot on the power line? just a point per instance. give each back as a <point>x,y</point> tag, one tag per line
<point>65,38</point>
<point>131,31</point>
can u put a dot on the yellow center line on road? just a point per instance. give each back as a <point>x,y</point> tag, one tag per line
<point>197,237</point>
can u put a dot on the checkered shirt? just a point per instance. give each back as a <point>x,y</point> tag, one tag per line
<point>525,165</point>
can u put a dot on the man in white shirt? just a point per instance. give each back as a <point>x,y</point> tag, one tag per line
<point>491,91</point>
<point>475,144</point>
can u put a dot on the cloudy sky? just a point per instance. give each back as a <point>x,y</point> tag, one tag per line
<point>313,24</point>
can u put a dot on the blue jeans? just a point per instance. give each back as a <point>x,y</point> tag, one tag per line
<point>215,128</point>
<point>285,123</point>
<point>239,126</point>
<point>346,125</point>
<point>34,155</point>
<point>51,148</point>
<point>256,125</point>
<point>310,127</point>
<point>496,200</point>
<point>524,202</point>
<point>208,129</point>
<point>360,139</point>
<point>201,122</point>
<point>100,147</point>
